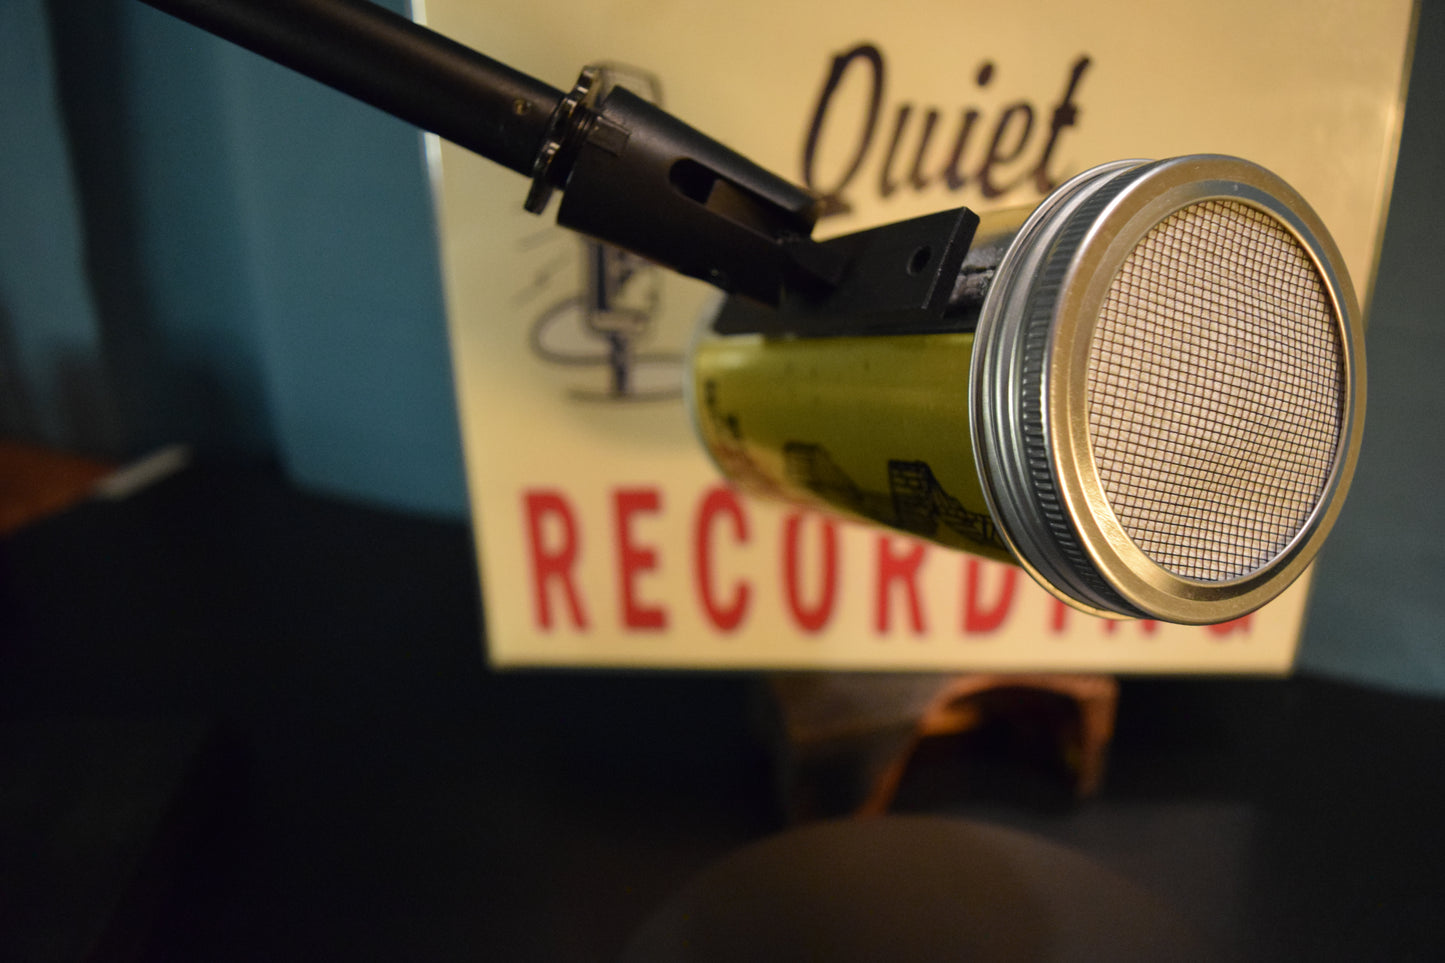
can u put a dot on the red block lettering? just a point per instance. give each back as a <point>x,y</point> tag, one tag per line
<point>719,502</point>
<point>809,619</point>
<point>977,617</point>
<point>1060,620</point>
<point>898,568</point>
<point>1146,626</point>
<point>1240,624</point>
<point>633,559</point>
<point>553,562</point>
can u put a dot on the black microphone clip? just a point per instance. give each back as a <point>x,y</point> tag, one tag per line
<point>635,176</point>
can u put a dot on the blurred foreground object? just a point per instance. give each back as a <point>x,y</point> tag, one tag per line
<point>913,889</point>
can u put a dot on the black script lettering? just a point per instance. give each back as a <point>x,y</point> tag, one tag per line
<point>833,201</point>
<point>986,186</point>
<point>951,175</point>
<point>916,177</point>
<point>1065,115</point>
<point>1006,165</point>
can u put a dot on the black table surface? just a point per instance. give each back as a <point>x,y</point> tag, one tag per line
<point>241,722</point>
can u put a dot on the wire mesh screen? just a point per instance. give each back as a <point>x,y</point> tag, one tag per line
<point>1216,391</point>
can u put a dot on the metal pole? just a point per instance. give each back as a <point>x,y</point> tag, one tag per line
<point>393,64</point>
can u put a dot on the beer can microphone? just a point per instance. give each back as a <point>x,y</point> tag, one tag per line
<point>1154,404</point>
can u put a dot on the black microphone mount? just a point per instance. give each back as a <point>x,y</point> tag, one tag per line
<point>630,173</point>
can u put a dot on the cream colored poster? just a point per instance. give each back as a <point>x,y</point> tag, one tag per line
<point>604,534</point>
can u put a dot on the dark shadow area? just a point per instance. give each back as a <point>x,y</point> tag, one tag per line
<point>398,800</point>
<point>18,417</point>
<point>295,688</point>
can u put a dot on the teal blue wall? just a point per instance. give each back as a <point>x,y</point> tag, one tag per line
<point>1378,610</point>
<point>196,245</point>
<point>203,247</point>
<point>49,333</point>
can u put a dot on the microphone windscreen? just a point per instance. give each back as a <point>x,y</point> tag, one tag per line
<point>1168,388</point>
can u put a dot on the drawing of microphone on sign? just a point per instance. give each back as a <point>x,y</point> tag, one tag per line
<point>603,323</point>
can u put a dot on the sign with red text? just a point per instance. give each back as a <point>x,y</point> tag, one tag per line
<point>604,534</point>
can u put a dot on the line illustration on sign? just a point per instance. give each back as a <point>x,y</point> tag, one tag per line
<point>602,324</point>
